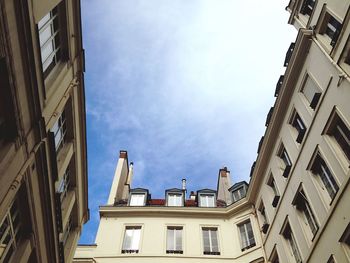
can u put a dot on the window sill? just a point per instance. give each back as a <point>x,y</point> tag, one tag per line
<point>211,253</point>
<point>174,252</point>
<point>248,247</point>
<point>130,251</point>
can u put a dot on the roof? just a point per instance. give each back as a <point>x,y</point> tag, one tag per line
<point>237,185</point>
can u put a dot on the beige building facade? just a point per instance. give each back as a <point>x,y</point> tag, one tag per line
<point>296,207</point>
<point>43,169</point>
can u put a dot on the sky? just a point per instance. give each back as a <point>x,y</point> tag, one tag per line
<point>183,86</point>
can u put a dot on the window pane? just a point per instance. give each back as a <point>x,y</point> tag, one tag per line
<point>178,239</point>
<point>137,199</point>
<point>206,241</point>
<point>310,88</point>
<point>170,239</point>
<point>44,20</point>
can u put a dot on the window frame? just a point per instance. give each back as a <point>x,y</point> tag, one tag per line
<point>250,241</point>
<point>302,204</point>
<point>139,194</point>
<point>324,173</point>
<point>59,129</point>
<point>172,193</point>
<point>331,127</point>
<point>175,250</point>
<point>132,249</point>
<point>288,235</point>
<point>263,215</point>
<point>271,182</point>
<point>211,230</point>
<point>323,26</point>
<point>297,123</point>
<point>310,84</point>
<point>284,156</point>
<point>207,203</point>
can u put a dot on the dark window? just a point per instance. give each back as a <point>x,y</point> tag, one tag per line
<point>271,182</point>
<point>8,129</point>
<point>265,225</point>
<point>311,92</point>
<point>345,238</point>
<point>303,205</point>
<point>238,194</point>
<point>321,169</point>
<point>307,7</point>
<point>341,134</point>
<point>289,236</point>
<point>298,124</point>
<point>286,160</point>
<point>331,27</point>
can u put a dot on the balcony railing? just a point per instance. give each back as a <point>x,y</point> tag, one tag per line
<point>279,85</point>
<point>289,54</point>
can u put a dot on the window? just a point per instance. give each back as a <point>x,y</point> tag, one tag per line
<point>131,239</point>
<point>10,232</point>
<point>247,235</point>
<point>137,199</point>
<point>330,28</point>
<point>60,129</point>
<point>210,241</point>
<point>345,238</point>
<point>341,133</point>
<point>174,240</point>
<point>207,200</point>
<point>331,259</point>
<point>274,256</point>
<point>307,7</point>
<point>67,230</point>
<point>175,199</point>
<point>286,160</point>
<point>8,130</point>
<point>238,194</point>
<point>311,92</point>
<point>64,184</point>
<point>289,237</point>
<point>303,205</point>
<point>298,124</point>
<point>265,224</point>
<point>271,182</point>
<point>49,38</point>
<point>320,168</point>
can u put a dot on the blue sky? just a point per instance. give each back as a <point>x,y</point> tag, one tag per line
<point>183,86</point>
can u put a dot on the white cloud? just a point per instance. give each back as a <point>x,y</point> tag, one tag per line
<point>184,86</point>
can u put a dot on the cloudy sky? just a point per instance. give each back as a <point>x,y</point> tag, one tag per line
<point>183,85</point>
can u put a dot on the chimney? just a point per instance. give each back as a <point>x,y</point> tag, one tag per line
<point>192,196</point>
<point>119,188</point>
<point>184,184</point>
<point>224,183</point>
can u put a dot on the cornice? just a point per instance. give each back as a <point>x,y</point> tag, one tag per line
<point>166,211</point>
<point>302,46</point>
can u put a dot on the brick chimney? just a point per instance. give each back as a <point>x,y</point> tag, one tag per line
<point>224,183</point>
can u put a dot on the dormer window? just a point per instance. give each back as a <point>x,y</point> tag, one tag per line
<point>206,198</point>
<point>238,194</point>
<point>175,199</point>
<point>138,197</point>
<point>137,200</point>
<point>238,191</point>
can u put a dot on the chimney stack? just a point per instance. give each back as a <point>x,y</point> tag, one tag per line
<point>192,196</point>
<point>184,184</point>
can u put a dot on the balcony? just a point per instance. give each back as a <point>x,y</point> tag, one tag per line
<point>289,54</point>
<point>268,117</point>
<point>279,85</point>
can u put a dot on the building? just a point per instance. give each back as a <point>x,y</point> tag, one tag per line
<point>201,228</point>
<point>43,170</point>
<point>296,207</point>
